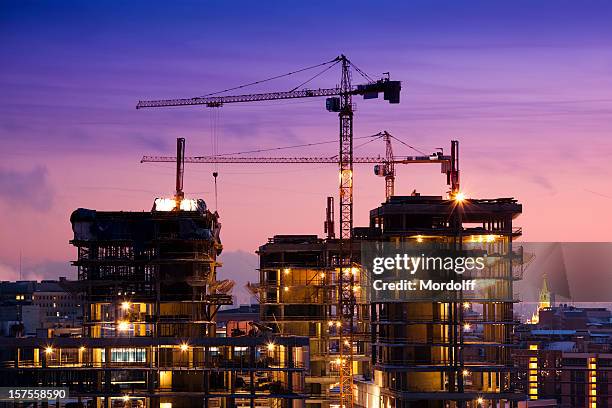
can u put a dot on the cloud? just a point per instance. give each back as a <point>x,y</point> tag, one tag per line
<point>30,188</point>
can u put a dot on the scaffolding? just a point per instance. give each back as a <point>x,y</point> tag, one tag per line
<point>299,286</point>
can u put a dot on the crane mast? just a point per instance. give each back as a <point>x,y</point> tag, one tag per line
<point>346,281</point>
<point>389,167</point>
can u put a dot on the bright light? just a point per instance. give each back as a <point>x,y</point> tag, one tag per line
<point>184,347</point>
<point>169,204</point>
<point>459,197</point>
<point>467,326</point>
<point>48,350</point>
<point>355,271</point>
<point>356,288</point>
<point>419,238</point>
<point>322,275</point>
<point>286,271</point>
<point>123,325</point>
<point>126,397</point>
<point>330,323</point>
<point>338,324</point>
<point>125,305</point>
<point>491,238</point>
<point>82,349</point>
<point>286,288</point>
<point>165,204</point>
<point>480,400</point>
<point>466,305</point>
<point>466,373</point>
<point>270,346</point>
<point>346,343</point>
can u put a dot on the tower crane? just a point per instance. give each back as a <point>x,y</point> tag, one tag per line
<point>383,166</point>
<point>339,100</point>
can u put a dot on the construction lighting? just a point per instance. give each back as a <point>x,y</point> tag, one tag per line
<point>125,305</point>
<point>419,238</point>
<point>480,400</point>
<point>459,197</point>
<point>466,305</point>
<point>286,271</point>
<point>123,325</point>
<point>466,373</point>
<point>270,346</point>
<point>48,350</point>
<point>322,275</point>
<point>330,323</point>
<point>126,398</point>
<point>467,326</point>
<point>286,288</point>
<point>82,349</point>
<point>184,347</point>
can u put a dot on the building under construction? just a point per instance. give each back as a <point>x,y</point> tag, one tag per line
<point>299,296</point>
<point>150,293</point>
<point>406,354</point>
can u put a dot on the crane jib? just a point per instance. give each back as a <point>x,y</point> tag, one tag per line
<point>390,89</point>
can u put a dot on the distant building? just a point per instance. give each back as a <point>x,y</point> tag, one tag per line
<point>26,307</point>
<point>567,356</point>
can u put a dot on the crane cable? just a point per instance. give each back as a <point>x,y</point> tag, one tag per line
<point>214,143</point>
<point>268,79</point>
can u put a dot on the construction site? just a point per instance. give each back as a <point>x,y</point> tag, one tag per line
<point>150,294</point>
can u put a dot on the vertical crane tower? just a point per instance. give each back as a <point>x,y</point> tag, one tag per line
<point>339,99</point>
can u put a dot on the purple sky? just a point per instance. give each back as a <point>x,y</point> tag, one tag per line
<point>525,86</point>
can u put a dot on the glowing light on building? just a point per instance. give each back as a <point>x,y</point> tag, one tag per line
<point>270,346</point>
<point>533,373</point>
<point>123,325</point>
<point>459,197</point>
<point>125,305</point>
<point>592,382</point>
<point>169,204</point>
<point>184,347</point>
<point>48,350</point>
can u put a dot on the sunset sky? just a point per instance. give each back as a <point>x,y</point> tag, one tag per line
<point>526,87</point>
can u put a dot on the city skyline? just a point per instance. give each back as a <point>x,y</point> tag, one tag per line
<point>525,90</point>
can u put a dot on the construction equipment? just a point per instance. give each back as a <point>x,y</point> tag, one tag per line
<point>384,166</point>
<point>387,169</point>
<point>180,171</point>
<point>339,100</point>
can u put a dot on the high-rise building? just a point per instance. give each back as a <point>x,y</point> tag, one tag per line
<point>150,295</point>
<point>446,354</point>
<point>298,295</point>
